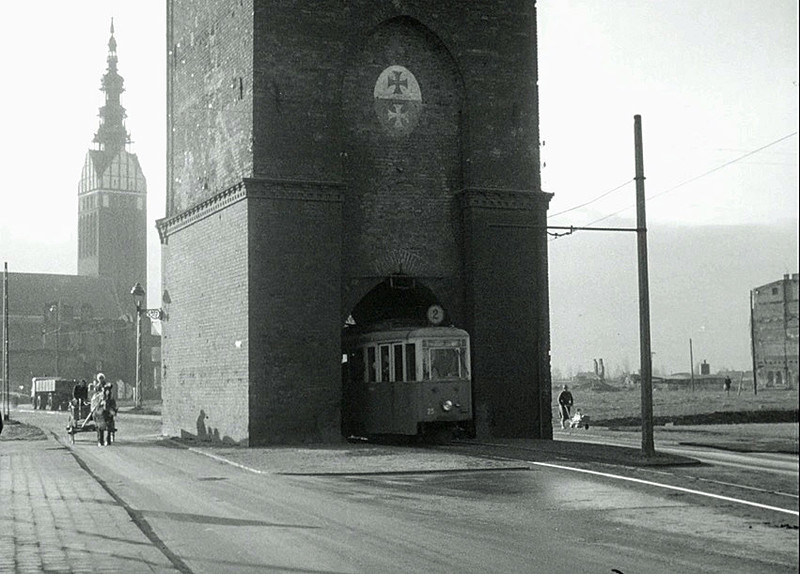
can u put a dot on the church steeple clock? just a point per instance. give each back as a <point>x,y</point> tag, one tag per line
<point>112,195</point>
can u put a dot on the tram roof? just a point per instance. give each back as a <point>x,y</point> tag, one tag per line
<point>386,333</point>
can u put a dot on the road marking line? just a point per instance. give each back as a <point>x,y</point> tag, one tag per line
<point>225,460</point>
<point>667,486</point>
<point>724,483</point>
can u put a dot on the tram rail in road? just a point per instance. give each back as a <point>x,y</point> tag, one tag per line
<point>776,475</point>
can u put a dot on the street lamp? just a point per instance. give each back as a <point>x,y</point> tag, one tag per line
<point>138,296</point>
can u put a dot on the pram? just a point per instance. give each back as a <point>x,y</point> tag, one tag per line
<point>579,420</point>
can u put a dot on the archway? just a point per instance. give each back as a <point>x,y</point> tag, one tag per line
<point>398,301</point>
<point>399,298</point>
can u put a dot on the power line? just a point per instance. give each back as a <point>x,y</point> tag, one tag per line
<point>695,178</point>
<point>601,196</point>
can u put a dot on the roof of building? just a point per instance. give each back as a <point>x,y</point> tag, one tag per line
<point>30,293</point>
<point>787,277</point>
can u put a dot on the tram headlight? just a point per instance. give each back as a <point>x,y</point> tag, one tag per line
<point>447,406</point>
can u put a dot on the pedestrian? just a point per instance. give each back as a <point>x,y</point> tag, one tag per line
<point>81,395</point>
<point>95,395</point>
<point>564,406</point>
<point>111,409</point>
<point>81,391</point>
<point>727,385</point>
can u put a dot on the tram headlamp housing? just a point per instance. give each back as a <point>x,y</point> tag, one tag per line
<point>447,406</point>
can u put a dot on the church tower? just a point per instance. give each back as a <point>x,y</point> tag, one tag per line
<point>112,196</point>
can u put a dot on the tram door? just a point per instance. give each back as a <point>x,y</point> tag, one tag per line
<point>379,389</point>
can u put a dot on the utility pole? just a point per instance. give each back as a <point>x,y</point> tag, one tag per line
<point>58,338</point>
<point>787,286</point>
<point>648,446</point>
<point>137,399</point>
<point>6,407</point>
<point>753,339</point>
<point>691,363</point>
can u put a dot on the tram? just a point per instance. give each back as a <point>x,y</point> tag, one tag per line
<point>405,380</point>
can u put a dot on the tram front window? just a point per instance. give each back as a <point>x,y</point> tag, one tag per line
<point>445,363</point>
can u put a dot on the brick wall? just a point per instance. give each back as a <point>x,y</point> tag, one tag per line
<point>507,310</point>
<point>284,119</point>
<point>205,335</point>
<point>775,330</point>
<point>122,245</point>
<point>209,98</point>
<point>295,286</point>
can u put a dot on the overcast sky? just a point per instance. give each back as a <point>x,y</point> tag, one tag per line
<point>714,81</point>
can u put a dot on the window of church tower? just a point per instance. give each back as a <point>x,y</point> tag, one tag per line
<point>105,200</point>
<point>139,203</point>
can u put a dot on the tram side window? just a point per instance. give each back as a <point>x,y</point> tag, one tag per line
<point>372,364</point>
<point>385,364</point>
<point>411,362</point>
<point>398,363</point>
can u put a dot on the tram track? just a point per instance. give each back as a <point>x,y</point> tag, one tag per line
<point>754,486</point>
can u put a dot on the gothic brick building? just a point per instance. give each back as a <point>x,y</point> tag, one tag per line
<point>317,158</point>
<point>73,326</point>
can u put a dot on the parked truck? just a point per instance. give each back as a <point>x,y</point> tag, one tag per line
<point>51,393</point>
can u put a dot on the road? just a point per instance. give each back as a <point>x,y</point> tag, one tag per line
<point>207,516</point>
<point>769,478</point>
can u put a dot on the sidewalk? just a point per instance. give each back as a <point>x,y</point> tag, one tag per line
<point>56,518</point>
<point>469,456</point>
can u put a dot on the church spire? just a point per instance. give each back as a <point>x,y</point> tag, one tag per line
<point>112,135</point>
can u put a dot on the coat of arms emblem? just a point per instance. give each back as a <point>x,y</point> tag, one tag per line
<point>398,100</point>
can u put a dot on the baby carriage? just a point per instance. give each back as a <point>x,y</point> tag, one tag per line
<point>579,420</point>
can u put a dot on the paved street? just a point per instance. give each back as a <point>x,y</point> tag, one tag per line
<point>145,504</point>
<point>57,518</point>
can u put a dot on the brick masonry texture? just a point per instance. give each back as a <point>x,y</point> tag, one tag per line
<point>295,351</point>
<point>278,97</point>
<point>205,336</point>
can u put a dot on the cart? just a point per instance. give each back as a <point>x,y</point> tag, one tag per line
<point>81,419</point>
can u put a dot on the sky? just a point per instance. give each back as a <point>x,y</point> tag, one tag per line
<point>715,82</point>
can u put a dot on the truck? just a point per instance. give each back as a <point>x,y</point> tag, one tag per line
<point>51,393</point>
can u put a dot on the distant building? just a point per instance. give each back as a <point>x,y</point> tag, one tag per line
<point>74,326</point>
<point>775,332</point>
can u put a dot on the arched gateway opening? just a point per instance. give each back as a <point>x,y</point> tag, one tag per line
<point>398,297</point>
<point>405,369</point>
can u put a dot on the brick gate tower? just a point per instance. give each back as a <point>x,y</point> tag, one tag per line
<point>317,161</point>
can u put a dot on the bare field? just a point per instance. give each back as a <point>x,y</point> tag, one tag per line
<point>626,402</point>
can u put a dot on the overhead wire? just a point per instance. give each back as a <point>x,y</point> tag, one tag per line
<point>695,178</point>
<point>601,196</point>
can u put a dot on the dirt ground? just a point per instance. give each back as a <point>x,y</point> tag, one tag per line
<point>682,407</point>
